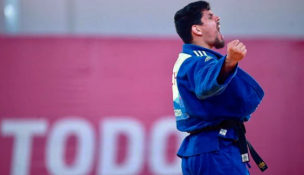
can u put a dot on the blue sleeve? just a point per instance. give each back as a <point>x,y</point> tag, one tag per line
<point>205,77</point>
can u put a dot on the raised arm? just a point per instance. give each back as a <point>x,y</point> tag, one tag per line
<point>236,51</point>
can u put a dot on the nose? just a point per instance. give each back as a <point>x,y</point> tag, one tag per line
<point>217,18</point>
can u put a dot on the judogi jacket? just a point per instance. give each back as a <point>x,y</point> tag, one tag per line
<point>200,101</point>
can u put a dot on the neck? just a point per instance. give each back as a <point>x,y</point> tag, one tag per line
<point>201,43</point>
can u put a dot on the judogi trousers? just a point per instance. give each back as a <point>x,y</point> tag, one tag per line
<point>226,161</point>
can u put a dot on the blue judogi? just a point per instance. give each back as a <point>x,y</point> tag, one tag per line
<point>199,102</point>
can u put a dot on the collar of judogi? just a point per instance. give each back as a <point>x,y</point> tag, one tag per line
<point>199,51</point>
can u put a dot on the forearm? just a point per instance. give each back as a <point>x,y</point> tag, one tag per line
<point>207,79</point>
<point>236,51</point>
<point>226,70</point>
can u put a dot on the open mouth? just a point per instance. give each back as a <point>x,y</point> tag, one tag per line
<point>219,26</point>
<point>219,30</point>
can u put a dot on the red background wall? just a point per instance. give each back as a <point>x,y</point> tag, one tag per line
<point>50,78</point>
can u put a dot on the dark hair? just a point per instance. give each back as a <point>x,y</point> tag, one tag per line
<point>188,16</point>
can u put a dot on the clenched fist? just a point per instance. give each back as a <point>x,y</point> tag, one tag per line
<point>236,51</point>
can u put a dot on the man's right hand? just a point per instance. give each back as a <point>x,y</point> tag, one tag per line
<point>236,51</point>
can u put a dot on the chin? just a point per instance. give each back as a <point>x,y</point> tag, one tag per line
<point>219,44</point>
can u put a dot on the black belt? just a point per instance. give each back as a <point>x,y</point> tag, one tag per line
<point>240,129</point>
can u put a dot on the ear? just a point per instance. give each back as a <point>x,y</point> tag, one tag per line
<point>196,30</point>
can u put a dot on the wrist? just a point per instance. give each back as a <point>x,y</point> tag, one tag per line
<point>229,62</point>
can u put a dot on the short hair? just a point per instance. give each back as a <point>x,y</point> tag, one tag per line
<point>188,16</point>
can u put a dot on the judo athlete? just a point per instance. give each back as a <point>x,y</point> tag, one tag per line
<point>212,97</point>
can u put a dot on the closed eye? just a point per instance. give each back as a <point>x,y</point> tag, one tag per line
<point>210,16</point>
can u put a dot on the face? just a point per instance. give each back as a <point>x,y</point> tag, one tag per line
<point>210,28</point>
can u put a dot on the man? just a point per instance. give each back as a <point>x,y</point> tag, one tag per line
<point>212,97</point>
